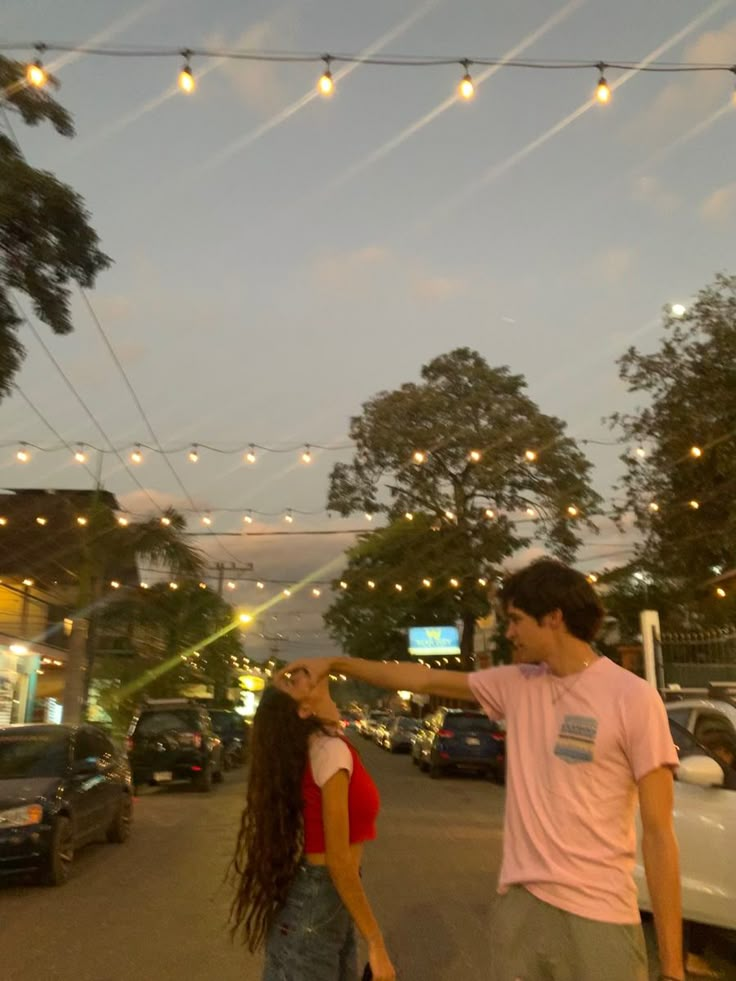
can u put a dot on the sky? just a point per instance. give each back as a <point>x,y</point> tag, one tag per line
<point>279,258</point>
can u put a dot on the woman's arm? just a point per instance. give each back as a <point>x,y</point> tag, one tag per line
<point>345,874</point>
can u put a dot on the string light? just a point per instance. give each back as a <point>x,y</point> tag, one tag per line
<point>454,583</point>
<point>592,578</point>
<point>194,454</point>
<point>694,505</point>
<point>231,585</point>
<point>474,456</point>
<point>3,522</point>
<point>115,584</point>
<point>23,456</point>
<point>720,592</point>
<point>678,310</point>
<point>289,518</point>
<point>81,521</point>
<point>248,519</point>
<point>530,456</point>
<point>123,522</point>
<point>409,516</point>
<point>250,456</point>
<point>531,512</point>
<point>260,585</point>
<point>602,92</point>
<point>343,584</point>
<point>287,593</point>
<point>466,89</point>
<point>368,516</point>
<point>207,520</point>
<point>203,585</point>
<point>80,456</point>
<point>245,618</point>
<point>398,587</point>
<point>186,79</point>
<point>316,592</point>
<point>144,585</point>
<point>640,452</point>
<point>35,72</point>
<point>27,582</point>
<point>307,455</point>
<point>165,521</point>
<point>450,515</point>
<point>40,520</point>
<point>426,583</point>
<point>371,584</point>
<point>173,586</point>
<point>482,582</point>
<point>572,511</point>
<point>489,513</point>
<point>136,456</point>
<point>419,456</point>
<point>326,84</point>
<point>653,507</point>
<point>696,452</point>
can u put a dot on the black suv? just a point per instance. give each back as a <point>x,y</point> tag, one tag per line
<point>173,739</point>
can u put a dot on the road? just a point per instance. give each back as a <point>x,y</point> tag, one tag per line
<point>155,908</point>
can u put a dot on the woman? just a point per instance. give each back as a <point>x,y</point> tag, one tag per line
<point>310,807</point>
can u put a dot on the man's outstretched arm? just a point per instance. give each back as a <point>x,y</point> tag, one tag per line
<point>387,674</point>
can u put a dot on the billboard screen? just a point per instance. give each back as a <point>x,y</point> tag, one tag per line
<point>428,641</point>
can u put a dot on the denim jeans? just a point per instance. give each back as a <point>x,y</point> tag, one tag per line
<point>312,937</point>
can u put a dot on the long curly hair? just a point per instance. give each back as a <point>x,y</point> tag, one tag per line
<point>271,837</point>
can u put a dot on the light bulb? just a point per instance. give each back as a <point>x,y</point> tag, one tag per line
<point>454,583</point>
<point>173,585</point>
<point>81,521</point>
<point>592,578</point>
<point>602,92</point>
<point>326,84</point>
<point>426,583</point>
<point>678,310</point>
<point>23,456</point>
<point>306,455</point>
<point>250,456</point>
<point>260,585</point>
<point>245,618</point>
<point>165,521</point>
<point>36,74</point>
<point>289,518</point>
<point>694,505</point>
<point>3,522</point>
<point>368,516</point>
<point>115,584</point>
<point>203,585</point>
<point>231,585</point>
<point>482,582</point>
<point>193,455</point>
<point>450,515</point>
<point>343,584</point>
<point>466,89</point>
<point>696,452</point>
<point>531,512</point>
<point>248,519</point>
<point>136,456</point>
<point>640,452</point>
<point>186,80</point>
<point>653,507</point>
<point>409,516</point>
<point>489,513</point>
<point>316,593</point>
<point>123,522</point>
<point>287,593</point>
<point>27,582</point>
<point>371,584</point>
<point>572,511</point>
<point>530,456</point>
<point>80,456</point>
<point>720,592</point>
<point>41,520</point>
<point>398,587</point>
<point>419,456</point>
<point>474,456</point>
<point>207,520</point>
<point>144,585</point>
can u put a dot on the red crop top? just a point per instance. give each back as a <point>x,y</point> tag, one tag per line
<point>363,799</point>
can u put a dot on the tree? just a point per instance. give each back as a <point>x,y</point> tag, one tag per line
<point>471,452</point>
<point>680,476</point>
<point>46,241</point>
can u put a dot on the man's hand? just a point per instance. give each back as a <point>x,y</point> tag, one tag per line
<point>317,668</point>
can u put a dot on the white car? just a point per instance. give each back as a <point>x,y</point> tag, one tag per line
<point>705,825</point>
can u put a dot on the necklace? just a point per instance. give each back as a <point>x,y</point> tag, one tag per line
<point>568,688</point>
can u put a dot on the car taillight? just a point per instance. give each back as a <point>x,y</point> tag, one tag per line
<point>498,736</point>
<point>446,734</point>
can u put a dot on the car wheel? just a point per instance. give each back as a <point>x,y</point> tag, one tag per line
<point>61,853</point>
<point>203,781</point>
<point>119,830</point>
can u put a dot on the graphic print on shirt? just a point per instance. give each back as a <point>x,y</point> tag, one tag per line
<point>576,739</point>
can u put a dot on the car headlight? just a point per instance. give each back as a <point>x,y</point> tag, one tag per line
<point>21,817</point>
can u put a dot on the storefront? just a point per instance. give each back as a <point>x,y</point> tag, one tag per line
<point>19,665</point>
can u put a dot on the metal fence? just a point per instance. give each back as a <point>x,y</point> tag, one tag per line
<point>695,658</point>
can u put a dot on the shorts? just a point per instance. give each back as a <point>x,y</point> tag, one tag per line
<point>313,936</point>
<point>534,941</point>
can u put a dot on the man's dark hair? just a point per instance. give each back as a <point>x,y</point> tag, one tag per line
<point>547,585</point>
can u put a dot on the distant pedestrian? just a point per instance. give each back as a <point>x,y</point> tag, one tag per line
<point>310,807</point>
<point>584,736</point>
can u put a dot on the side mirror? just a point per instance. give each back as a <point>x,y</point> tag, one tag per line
<point>700,771</point>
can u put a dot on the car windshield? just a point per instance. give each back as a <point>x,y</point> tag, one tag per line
<point>36,754</point>
<point>179,720</point>
<point>465,723</point>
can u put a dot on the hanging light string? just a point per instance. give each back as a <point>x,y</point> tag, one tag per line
<point>37,76</point>
<point>248,450</point>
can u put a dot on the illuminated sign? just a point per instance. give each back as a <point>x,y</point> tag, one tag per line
<point>433,641</point>
<point>252,682</point>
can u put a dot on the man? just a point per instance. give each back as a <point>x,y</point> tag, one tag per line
<point>583,736</point>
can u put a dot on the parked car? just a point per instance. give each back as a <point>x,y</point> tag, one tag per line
<point>233,733</point>
<point>374,718</point>
<point>60,788</point>
<point>460,739</point>
<point>173,739</point>
<point>705,825</point>
<point>400,734</point>
<point>702,711</point>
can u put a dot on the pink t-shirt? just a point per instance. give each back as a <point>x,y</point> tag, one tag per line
<point>576,748</point>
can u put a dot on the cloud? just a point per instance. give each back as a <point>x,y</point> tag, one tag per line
<point>613,264</point>
<point>349,270</point>
<point>261,84</point>
<point>652,192</point>
<point>720,206</point>
<point>437,288</point>
<point>691,96</point>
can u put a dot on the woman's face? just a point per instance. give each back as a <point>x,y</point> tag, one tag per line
<point>311,698</point>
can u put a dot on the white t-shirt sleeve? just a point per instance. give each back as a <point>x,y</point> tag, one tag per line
<point>327,755</point>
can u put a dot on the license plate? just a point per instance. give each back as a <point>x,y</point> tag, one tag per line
<point>163,776</point>
<point>472,741</point>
